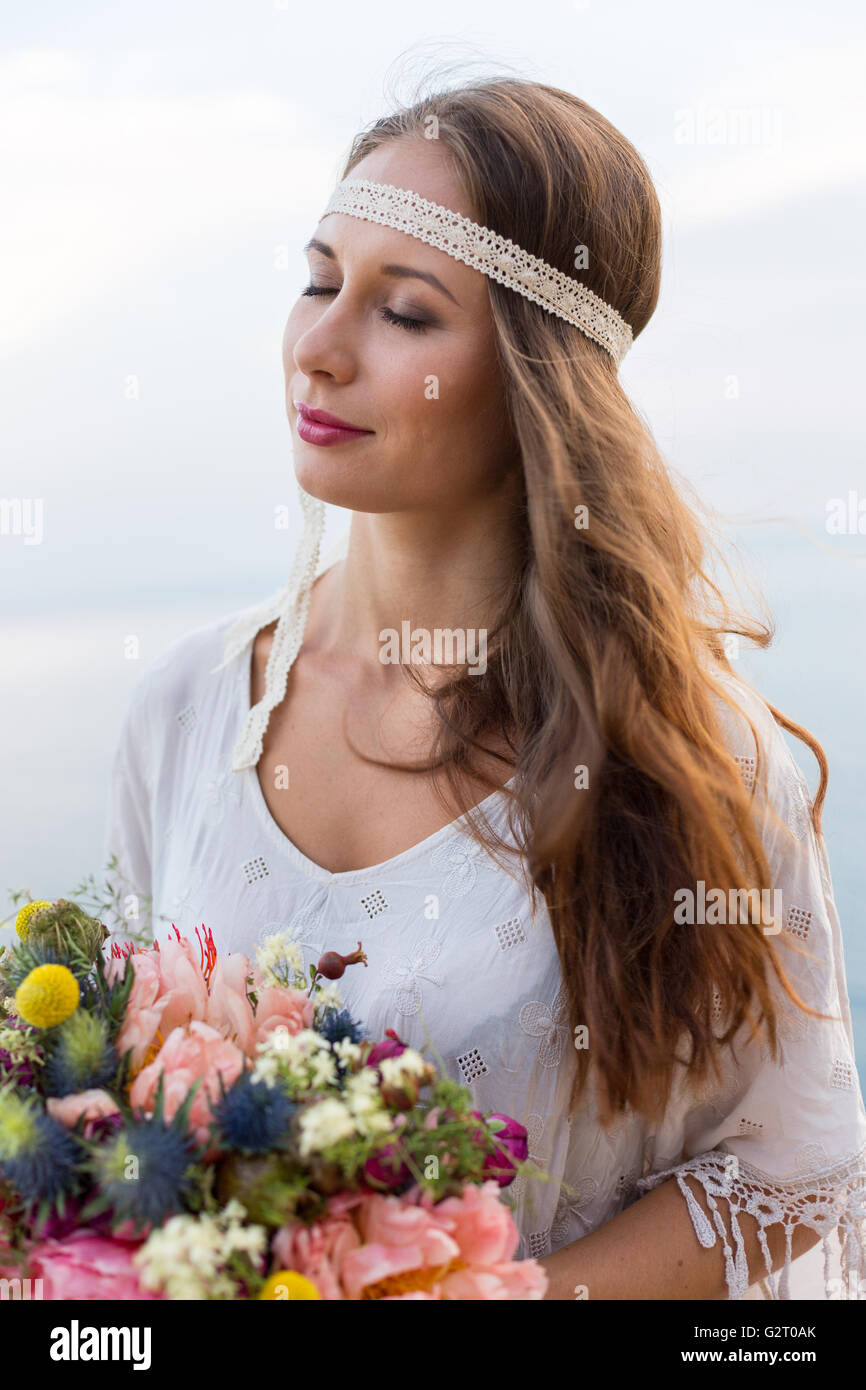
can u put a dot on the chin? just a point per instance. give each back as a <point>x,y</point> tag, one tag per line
<point>339,485</point>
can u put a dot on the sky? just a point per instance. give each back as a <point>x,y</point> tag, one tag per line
<point>163,166</point>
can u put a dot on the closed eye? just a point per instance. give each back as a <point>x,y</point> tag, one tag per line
<point>400,320</point>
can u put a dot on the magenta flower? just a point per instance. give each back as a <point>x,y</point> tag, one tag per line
<point>386,1170</point>
<point>512,1147</point>
<point>391,1046</point>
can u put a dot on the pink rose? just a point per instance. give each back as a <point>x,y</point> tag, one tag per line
<point>93,1105</point>
<point>228,1008</point>
<point>87,1266</point>
<point>195,1053</point>
<point>279,1007</point>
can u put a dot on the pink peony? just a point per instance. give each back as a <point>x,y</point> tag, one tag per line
<point>278,1007</point>
<point>87,1267</point>
<point>459,1249</point>
<point>401,1238</point>
<point>319,1251</point>
<point>520,1280</point>
<point>194,1053</point>
<point>93,1105</point>
<point>481,1224</point>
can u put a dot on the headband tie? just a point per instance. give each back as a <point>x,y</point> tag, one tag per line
<point>487,251</point>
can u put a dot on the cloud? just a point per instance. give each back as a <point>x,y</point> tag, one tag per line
<point>796,128</point>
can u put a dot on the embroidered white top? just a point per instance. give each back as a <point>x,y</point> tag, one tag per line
<point>458,958</point>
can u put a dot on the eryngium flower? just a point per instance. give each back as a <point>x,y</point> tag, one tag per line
<point>337,1024</point>
<point>38,1158</point>
<point>142,1174</point>
<point>252,1117</point>
<point>80,1056</point>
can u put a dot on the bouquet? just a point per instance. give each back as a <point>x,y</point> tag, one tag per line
<point>177,1125</point>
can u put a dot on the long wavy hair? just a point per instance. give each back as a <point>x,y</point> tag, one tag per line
<point>611,650</point>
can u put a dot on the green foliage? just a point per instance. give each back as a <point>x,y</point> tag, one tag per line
<point>80,1056</point>
<point>17,964</point>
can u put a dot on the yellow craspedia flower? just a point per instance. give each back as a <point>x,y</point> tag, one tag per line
<point>22,921</point>
<point>48,996</point>
<point>288,1284</point>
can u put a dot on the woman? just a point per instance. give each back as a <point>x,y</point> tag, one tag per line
<point>497,737</point>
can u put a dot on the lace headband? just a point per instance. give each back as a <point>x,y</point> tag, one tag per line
<point>487,251</point>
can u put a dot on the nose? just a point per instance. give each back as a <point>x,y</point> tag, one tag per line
<point>326,347</point>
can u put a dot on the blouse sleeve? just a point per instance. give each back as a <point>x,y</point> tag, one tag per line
<point>127,842</point>
<point>783,1140</point>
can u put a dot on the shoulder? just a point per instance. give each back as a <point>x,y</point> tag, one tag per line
<point>763,752</point>
<point>191,672</point>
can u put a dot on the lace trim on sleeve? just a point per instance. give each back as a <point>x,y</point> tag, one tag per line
<point>833,1199</point>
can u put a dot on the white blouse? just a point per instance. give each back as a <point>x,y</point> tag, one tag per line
<point>462,957</point>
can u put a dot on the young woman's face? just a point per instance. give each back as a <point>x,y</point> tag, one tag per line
<point>395,338</point>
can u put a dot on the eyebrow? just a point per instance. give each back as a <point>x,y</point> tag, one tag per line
<point>397,272</point>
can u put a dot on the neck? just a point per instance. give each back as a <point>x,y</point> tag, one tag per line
<point>435,571</point>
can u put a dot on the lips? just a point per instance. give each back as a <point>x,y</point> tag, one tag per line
<point>324,417</point>
<point>321,427</point>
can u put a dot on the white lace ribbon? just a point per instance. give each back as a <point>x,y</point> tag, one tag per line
<point>289,607</point>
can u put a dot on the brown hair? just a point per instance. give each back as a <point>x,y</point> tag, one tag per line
<point>611,646</point>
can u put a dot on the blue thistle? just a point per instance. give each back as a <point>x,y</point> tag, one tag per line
<point>252,1117</point>
<point>337,1024</point>
<point>80,1057</point>
<point>144,1172</point>
<point>38,1157</point>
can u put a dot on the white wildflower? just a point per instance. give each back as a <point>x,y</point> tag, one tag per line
<point>280,959</point>
<point>350,1052</point>
<point>364,1102</point>
<point>322,1070</point>
<point>187,1257</point>
<point>323,1124</point>
<point>397,1070</point>
<point>328,996</point>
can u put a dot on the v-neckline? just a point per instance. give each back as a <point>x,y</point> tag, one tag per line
<point>303,861</point>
